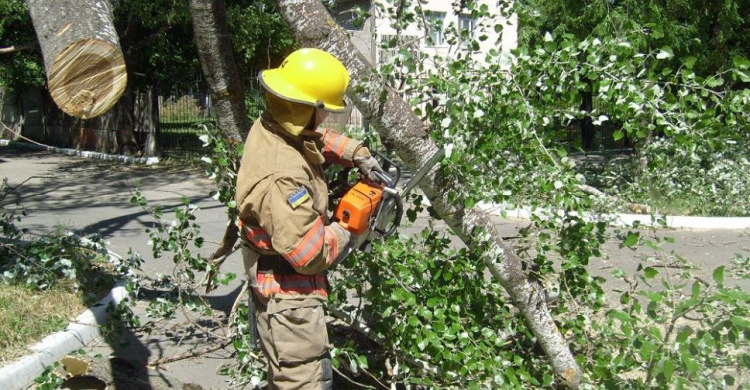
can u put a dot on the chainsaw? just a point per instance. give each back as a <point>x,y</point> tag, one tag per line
<point>372,210</point>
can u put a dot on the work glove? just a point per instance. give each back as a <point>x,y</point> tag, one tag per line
<point>345,241</point>
<point>366,163</point>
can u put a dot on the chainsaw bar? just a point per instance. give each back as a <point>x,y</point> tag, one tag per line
<point>420,174</point>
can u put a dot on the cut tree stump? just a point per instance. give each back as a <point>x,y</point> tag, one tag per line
<point>116,373</point>
<point>82,56</point>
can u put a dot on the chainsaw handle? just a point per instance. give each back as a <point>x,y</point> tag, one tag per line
<point>397,217</point>
<point>398,213</point>
<point>387,164</point>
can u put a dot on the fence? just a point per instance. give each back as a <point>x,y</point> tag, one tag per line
<point>181,114</point>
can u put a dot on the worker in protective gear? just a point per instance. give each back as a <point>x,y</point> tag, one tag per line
<point>282,199</point>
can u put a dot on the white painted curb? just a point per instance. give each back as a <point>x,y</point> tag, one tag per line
<point>21,373</point>
<point>85,153</point>
<point>627,220</point>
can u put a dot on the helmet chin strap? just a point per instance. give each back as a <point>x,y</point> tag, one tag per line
<point>311,125</point>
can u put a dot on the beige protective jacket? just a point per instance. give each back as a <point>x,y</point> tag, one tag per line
<point>282,198</point>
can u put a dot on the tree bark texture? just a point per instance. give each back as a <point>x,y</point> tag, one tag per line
<point>146,121</point>
<point>398,125</point>
<point>82,56</point>
<point>215,52</point>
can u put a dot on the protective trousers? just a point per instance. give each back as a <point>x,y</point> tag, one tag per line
<point>293,336</point>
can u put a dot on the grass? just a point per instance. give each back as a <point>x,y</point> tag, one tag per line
<point>28,315</point>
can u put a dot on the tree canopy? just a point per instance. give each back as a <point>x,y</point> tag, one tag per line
<point>712,32</point>
<point>157,41</point>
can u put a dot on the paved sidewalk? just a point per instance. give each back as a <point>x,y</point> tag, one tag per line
<point>90,196</point>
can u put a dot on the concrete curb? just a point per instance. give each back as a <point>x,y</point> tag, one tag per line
<point>627,220</point>
<point>21,373</point>
<point>83,153</point>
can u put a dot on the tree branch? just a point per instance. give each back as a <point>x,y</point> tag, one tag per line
<point>15,48</point>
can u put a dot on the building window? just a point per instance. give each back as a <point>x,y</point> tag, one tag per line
<point>467,25</point>
<point>435,29</point>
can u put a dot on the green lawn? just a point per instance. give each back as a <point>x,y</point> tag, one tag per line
<point>28,315</point>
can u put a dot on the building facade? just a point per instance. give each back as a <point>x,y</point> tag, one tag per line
<point>438,28</point>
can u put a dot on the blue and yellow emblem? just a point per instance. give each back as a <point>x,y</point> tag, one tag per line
<point>299,196</point>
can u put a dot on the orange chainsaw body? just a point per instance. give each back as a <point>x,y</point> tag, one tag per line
<point>356,207</point>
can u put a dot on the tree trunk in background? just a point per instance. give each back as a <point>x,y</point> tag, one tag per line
<point>82,55</point>
<point>215,52</point>
<point>113,131</point>
<point>397,124</point>
<point>146,121</point>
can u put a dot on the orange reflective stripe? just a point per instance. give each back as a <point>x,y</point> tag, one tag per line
<point>337,144</point>
<point>309,247</point>
<point>334,146</point>
<point>269,284</point>
<point>258,237</point>
<point>332,241</point>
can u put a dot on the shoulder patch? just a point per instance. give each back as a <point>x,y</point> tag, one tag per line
<point>299,196</point>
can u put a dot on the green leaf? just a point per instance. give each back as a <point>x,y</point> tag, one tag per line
<point>650,272</point>
<point>714,82</point>
<point>618,135</point>
<point>665,53</point>
<point>689,62</point>
<point>362,361</point>
<point>741,63</point>
<point>621,315</point>
<point>696,290</point>
<point>719,275</point>
<point>631,240</point>
<point>740,322</point>
<point>657,32</point>
<point>668,368</point>
<point>683,334</point>
<point>691,365</point>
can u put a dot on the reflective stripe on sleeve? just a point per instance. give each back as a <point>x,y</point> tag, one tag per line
<point>336,144</point>
<point>258,237</point>
<point>309,247</point>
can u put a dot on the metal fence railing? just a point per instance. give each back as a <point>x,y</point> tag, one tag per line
<point>181,114</point>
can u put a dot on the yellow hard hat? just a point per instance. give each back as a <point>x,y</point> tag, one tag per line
<point>309,76</point>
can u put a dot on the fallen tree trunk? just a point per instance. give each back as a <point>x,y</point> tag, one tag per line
<point>400,127</point>
<point>82,56</point>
